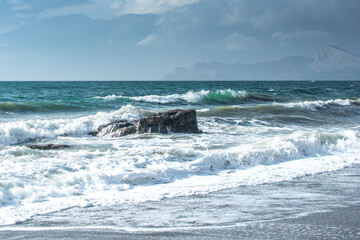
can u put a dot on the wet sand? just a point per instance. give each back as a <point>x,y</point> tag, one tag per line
<point>340,223</point>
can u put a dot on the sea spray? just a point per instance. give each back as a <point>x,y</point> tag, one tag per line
<point>21,131</point>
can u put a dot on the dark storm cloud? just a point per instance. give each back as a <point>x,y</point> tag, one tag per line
<point>288,20</point>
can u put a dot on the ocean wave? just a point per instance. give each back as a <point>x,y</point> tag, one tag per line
<point>14,107</point>
<point>298,145</point>
<point>319,103</point>
<point>310,105</point>
<point>147,172</point>
<point>204,96</point>
<point>22,131</point>
<point>36,107</point>
<point>111,97</point>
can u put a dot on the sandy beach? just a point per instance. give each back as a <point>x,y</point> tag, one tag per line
<point>286,210</point>
<point>339,223</point>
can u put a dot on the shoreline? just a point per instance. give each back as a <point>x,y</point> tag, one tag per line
<point>323,206</point>
<point>340,222</point>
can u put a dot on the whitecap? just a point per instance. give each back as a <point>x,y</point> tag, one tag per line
<point>24,130</point>
<point>191,97</point>
<point>319,103</point>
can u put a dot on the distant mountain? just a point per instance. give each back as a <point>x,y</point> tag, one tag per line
<point>332,58</point>
<point>331,63</point>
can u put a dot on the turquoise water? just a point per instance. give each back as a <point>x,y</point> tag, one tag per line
<point>253,133</point>
<point>19,99</point>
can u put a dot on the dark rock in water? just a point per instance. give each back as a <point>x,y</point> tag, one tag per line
<point>121,127</point>
<point>177,121</point>
<point>94,133</point>
<point>48,146</point>
<point>180,121</point>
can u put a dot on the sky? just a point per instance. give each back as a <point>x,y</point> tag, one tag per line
<point>146,39</point>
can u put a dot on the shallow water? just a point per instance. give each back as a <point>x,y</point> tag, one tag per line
<point>322,206</point>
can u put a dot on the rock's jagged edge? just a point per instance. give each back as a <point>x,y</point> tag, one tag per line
<point>174,121</point>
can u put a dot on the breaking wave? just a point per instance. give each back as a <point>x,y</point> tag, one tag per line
<point>310,105</point>
<point>203,96</point>
<point>317,104</point>
<point>133,177</point>
<point>25,130</point>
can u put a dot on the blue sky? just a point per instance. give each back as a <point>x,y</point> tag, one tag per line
<point>145,39</point>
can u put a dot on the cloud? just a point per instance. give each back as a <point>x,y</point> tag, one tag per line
<point>232,16</point>
<point>7,28</point>
<point>106,9</point>
<point>96,9</point>
<point>148,40</point>
<point>18,5</point>
<point>22,7</point>
<point>14,1</point>
<point>238,41</point>
<point>183,31</point>
<point>148,6</point>
<point>296,35</point>
<point>264,20</point>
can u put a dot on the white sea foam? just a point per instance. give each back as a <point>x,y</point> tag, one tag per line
<point>110,97</point>
<point>319,103</point>
<point>191,96</point>
<point>137,169</point>
<point>24,130</point>
<point>203,110</point>
<point>312,105</point>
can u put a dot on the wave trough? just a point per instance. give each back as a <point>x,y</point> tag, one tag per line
<point>15,107</point>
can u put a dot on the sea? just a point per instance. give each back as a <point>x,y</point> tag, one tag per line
<point>268,151</point>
